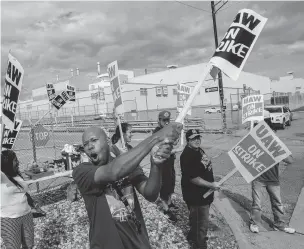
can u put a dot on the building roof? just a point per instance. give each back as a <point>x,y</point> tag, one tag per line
<point>171,76</point>
<point>80,82</point>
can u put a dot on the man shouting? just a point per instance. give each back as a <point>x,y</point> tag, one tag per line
<point>102,182</point>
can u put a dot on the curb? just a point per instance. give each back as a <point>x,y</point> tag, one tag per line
<point>296,220</point>
<point>224,205</point>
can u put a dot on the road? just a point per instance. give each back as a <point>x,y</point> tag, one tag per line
<point>291,178</point>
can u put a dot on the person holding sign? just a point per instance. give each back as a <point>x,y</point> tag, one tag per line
<point>117,149</point>
<point>197,179</point>
<point>113,222</point>
<point>270,181</point>
<point>168,172</point>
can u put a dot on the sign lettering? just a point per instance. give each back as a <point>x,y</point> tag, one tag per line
<point>233,51</point>
<point>60,100</point>
<point>10,136</point>
<point>50,91</point>
<point>115,87</point>
<point>71,93</point>
<point>183,93</point>
<point>257,152</point>
<point>252,108</point>
<point>13,83</point>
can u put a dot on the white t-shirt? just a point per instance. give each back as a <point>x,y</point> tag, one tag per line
<point>13,199</point>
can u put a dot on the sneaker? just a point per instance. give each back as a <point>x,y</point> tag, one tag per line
<point>170,215</point>
<point>172,206</point>
<point>254,228</point>
<point>285,229</point>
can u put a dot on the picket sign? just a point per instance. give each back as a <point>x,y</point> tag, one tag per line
<point>230,56</point>
<point>117,96</point>
<point>193,94</point>
<point>12,89</point>
<point>230,174</point>
<point>252,108</point>
<point>257,152</point>
<point>9,137</point>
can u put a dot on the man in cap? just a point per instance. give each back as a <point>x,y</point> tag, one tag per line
<point>168,172</point>
<point>197,179</point>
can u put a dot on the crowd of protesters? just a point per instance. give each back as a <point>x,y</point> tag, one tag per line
<point>107,184</point>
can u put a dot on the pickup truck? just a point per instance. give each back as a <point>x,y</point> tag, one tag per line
<point>280,116</point>
<point>213,110</point>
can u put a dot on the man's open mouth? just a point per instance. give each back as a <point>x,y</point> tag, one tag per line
<point>93,156</point>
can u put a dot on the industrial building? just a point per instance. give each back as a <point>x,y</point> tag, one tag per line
<point>149,93</point>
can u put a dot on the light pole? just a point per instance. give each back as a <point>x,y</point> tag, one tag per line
<point>220,79</point>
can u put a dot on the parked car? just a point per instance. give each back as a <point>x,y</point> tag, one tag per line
<point>279,114</point>
<point>267,119</point>
<point>235,107</point>
<point>213,110</point>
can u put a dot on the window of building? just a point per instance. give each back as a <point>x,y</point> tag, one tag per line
<point>29,107</point>
<point>143,91</point>
<point>174,91</point>
<point>158,91</point>
<point>165,91</point>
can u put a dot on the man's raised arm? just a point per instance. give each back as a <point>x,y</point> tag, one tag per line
<point>123,165</point>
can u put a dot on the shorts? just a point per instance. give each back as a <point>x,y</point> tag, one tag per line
<point>18,231</point>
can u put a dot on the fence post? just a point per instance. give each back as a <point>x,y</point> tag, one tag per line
<point>33,142</point>
<point>238,111</point>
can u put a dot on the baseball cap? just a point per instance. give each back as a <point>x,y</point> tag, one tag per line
<point>164,115</point>
<point>192,134</point>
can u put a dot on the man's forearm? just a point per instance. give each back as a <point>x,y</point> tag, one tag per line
<point>153,184</point>
<point>124,164</point>
<point>201,182</point>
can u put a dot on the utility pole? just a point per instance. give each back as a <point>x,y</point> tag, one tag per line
<point>220,79</point>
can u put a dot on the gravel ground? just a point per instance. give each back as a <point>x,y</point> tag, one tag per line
<point>66,225</point>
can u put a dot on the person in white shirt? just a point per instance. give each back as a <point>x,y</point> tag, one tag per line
<point>17,226</point>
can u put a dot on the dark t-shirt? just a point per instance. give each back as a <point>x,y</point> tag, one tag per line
<point>195,163</point>
<point>168,174</point>
<point>270,176</point>
<point>110,223</point>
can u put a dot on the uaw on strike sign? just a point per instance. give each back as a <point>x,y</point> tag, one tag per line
<point>71,92</point>
<point>60,100</point>
<point>50,91</point>
<point>12,89</point>
<point>183,93</point>
<point>258,151</point>
<point>115,87</point>
<point>233,51</point>
<point>252,108</point>
<point>10,136</point>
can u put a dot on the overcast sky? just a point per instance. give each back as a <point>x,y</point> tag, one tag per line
<point>49,38</point>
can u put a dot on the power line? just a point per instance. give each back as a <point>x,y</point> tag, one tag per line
<point>235,3</point>
<point>193,7</point>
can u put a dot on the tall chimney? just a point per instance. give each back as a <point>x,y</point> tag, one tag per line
<point>77,71</point>
<point>57,77</point>
<point>146,71</point>
<point>72,72</point>
<point>98,68</point>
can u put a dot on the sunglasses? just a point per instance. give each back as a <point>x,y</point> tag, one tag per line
<point>195,138</point>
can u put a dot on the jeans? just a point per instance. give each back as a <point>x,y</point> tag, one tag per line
<point>199,221</point>
<point>276,202</point>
